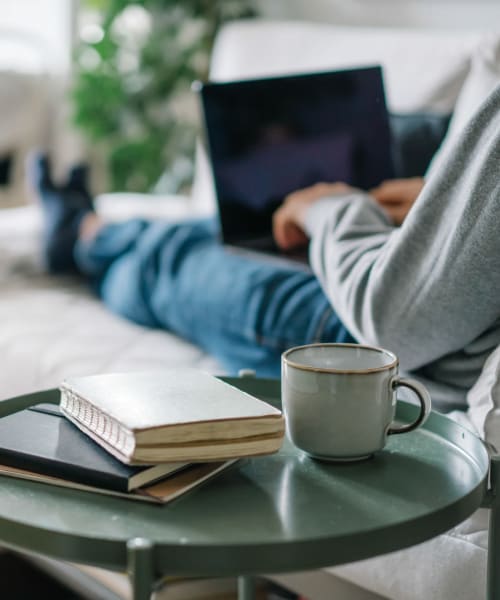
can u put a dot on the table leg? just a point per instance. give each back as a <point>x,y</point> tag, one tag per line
<point>246,588</point>
<point>493,577</point>
<point>140,568</point>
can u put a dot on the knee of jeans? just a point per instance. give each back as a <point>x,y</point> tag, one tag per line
<point>120,292</point>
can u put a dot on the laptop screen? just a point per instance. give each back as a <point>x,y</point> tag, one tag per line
<point>270,137</point>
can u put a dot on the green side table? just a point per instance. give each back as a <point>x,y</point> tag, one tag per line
<point>279,513</point>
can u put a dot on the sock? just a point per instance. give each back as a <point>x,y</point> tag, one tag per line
<point>63,209</point>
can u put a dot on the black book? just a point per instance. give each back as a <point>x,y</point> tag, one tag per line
<point>41,440</point>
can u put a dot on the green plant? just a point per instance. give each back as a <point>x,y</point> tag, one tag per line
<point>131,95</point>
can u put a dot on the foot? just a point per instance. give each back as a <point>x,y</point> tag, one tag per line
<point>63,208</point>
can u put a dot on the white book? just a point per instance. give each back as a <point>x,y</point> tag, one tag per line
<point>171,415</point>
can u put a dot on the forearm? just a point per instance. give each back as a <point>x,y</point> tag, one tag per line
<point>431,287</point>
<point>423,290</point>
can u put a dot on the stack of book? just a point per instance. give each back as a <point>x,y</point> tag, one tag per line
<point>145,436</point>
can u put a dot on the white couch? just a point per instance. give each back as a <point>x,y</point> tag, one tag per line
<point>54,327</point>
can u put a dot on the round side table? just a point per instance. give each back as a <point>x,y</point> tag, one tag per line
<point>277,513</point>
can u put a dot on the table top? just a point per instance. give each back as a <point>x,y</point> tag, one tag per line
<point>275,513</point>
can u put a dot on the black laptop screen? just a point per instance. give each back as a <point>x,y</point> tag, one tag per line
<point>269,137</point>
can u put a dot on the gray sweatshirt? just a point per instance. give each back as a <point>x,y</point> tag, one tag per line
<point>430,289</point>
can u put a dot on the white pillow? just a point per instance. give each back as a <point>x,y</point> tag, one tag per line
<point>483,78</point>
<point>484,401</point>
<point>424,69</point>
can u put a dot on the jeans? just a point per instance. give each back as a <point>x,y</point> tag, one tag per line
<point>178,277</point>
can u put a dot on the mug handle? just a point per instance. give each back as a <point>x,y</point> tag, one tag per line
<point>425,403</point>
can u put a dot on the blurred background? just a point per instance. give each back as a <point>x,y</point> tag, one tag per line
<point>109,80</point>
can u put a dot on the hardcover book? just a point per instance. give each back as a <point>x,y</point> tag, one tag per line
<point>172,415</point>
<point>40,439</point>
<point>165,490</point>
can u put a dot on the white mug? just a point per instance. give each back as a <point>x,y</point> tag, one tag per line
<point>339,400</point>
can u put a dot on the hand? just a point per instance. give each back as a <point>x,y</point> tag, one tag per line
<point>397,196</point>
<point>289,218</point>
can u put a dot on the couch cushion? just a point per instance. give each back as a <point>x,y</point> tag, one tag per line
<point>484,401</point>
<point>423,69</point>
<point>451,566</point>
<point>483,78</point>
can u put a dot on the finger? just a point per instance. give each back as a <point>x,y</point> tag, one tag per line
<point>396,214</point>
<point>380,186</point>
<point>287,233</point>
<point>389,200</point>
<point>389,193</point>
<point>294,237</point>
<point>279,219</point>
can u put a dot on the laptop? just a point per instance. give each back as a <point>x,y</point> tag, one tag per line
<point>269,137</point>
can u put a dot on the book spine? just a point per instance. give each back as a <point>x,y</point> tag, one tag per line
<point>72,473</point>
<point>104,426</point>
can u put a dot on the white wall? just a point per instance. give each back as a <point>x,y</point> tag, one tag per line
<point>414,13</point>
<point>35,33</point>
<point>36,38</point>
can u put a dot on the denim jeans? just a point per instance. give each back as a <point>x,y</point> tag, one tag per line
<point>179,277</point>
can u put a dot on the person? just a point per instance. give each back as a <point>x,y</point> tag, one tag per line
<point>428,290</point>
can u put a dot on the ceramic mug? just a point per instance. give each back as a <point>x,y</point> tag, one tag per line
<point>339,400</point>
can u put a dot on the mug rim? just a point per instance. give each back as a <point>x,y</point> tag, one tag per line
<point>291,363</point>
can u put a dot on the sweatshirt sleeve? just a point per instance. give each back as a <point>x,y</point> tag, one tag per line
<point>432,286</point>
